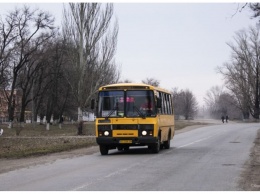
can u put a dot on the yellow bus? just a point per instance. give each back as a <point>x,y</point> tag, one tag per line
<point>131,114</point>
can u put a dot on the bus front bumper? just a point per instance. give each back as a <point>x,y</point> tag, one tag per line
<point>133,141</point>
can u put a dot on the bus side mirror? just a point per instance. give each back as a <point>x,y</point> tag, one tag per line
<point>159,103</point>
<point>92,104</point>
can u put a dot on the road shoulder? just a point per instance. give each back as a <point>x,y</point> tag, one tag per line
<point>250,178</point>
<point>15,164</point>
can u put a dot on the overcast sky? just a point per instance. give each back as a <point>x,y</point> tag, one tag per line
<point>179,44</point>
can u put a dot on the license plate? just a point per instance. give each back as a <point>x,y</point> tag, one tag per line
<point>125,141</point>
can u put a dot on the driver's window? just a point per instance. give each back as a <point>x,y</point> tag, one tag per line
<point>111,103</point>
<point>108,103</point>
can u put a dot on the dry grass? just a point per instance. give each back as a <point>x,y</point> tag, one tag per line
<point>180,124</point>
<point>36,140</point>
<point>36,130</point>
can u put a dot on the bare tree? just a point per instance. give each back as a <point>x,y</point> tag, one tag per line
<point>7,37</point>
<point>151,81</point>
<point>176,102</point>
<point>51,90</point>
<point>185,103</point>
<point>255,7</point>
<point>27,80</point>
<point>190,104</point>
<point>25,32</point>
<point>58,89</point>
<point>212,100</point>
<point>126,81</point>
<point>93,44</point>
<point>242,72</point>
<point>3,75</point>
<point>220,103</point>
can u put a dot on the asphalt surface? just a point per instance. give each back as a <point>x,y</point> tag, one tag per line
<point>210,158</point>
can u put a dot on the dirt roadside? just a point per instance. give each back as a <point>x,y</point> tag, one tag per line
<point>250,178</point>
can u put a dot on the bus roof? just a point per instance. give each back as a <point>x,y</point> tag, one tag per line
<point>132,86</point>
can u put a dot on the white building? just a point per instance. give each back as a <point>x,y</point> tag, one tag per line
<point>88,116</point>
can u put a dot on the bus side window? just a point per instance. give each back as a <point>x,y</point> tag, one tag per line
<point>159,103</point>
<point>168,104</point>
<point>165,101</point>
<point>160,111</point>
<point>165,104</point>
<point>172,105</point>
<point>164,110</point>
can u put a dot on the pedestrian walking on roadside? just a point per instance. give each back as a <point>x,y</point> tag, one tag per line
<point>226,119</point>
<point>223,119</point>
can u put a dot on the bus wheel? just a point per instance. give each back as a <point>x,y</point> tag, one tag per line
<point>126,148</point>
<point>156,147</point>
<point>119,148</point>
<point>167,144</point>
<point>103,150</point>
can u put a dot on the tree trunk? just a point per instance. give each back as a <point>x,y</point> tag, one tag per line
<point>80,121</point>
<point>34,118</point>
<point>80,116</point>
<point>10,125</point>
<point>80,128</point>
<point>49,113</point>
<point>256,108</point>
<point>21,119</point>
<point>246,115</point>
<point>41,119</point>
<point>11,107</point>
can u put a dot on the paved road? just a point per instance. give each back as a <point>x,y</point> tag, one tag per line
<point>209,158</point>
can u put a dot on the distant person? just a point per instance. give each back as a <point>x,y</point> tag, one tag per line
<point>226,119</point>
<point>223,119</point>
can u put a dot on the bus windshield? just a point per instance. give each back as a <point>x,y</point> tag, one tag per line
<point>130,103</point>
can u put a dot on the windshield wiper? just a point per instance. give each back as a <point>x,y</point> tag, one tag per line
<point>111,112</point>
<point>140,112</point>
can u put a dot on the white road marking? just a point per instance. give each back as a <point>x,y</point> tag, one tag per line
<point>205,138</point>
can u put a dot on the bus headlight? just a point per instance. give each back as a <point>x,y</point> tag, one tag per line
<point>106,133</point>
<point>144,133</point>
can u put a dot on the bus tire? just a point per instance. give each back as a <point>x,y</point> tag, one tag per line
<point>126,148</point>
<point>103,150</point>
<point>119,148</point>
<point>156,147</point>
<point>167,144</point>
